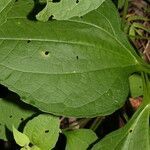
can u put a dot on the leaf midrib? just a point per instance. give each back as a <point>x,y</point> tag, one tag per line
<point>48,40</point>
<point>66,73</point>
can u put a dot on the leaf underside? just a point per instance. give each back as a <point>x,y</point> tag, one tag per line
<point>78,67</point>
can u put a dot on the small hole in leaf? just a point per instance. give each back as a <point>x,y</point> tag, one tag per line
<point>28,41</point>
<point>140,87</point>
<point>46,131</point>
<point>16,0</point>
<point>130,131</point>
<point>47,53</point>
<point>77,1</point>
<point>51,17</point>
<point>77,57</point>
<point>38,6</point>
<point>0,124</point>
<point>55,1</point>
<point>21,119</point>
<point>30,144</point>
<point>10,116</point>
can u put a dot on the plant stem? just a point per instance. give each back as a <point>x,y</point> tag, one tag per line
<point>96,123</point>
<point>82,123</point>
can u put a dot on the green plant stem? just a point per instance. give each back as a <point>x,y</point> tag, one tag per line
<point>82,123</point>
<point>96,123</point>
<point>126,117</point>
<point>125,10</point>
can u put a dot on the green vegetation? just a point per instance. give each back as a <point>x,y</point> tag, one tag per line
<point>70,59</point>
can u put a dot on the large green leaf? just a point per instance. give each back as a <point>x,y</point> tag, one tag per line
<point>43,131</point>
<point>12,112</point>
<point>135,135</point>
<point>78,67</point>
<point>79,139</point>
<point>66,9</point>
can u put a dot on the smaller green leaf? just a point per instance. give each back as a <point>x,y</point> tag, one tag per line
<point>79,139</point>
<point>20,138</point>
<point>132,31</point>
<point>43,131</point>
<point>136,85</point>
<point>66,9</point>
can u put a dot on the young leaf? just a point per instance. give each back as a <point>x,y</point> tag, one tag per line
<point>20,138</point>
<point>135,135</point>
<point>78,67</point>
<point>43,131</point>
<point>66,9</point>
<point>12,112</point>
<point>79,139</point>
